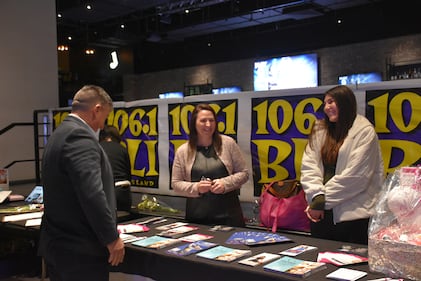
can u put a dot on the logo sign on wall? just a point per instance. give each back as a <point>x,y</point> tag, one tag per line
<point>272,131</point>
<point>396,115</point>
<point>279,130</point>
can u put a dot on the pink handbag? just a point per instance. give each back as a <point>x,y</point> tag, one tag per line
<point>284,212</point>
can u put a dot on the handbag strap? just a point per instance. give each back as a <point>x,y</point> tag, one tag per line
<point>275,220</point>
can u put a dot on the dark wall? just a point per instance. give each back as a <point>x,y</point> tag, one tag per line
<point>370,56</point>
<point>94,69</point>
<point>382,20</point>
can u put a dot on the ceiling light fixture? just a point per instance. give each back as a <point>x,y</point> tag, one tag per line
<point>62,48</point>
<point>90,51</point>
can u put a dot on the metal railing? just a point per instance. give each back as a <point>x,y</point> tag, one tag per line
<point>37,148</point>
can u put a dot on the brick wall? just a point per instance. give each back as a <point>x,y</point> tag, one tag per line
<point>373,56</point>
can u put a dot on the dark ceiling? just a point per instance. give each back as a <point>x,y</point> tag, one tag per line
<point>218,30</point>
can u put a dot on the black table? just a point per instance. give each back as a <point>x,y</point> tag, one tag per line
<point>22,256</point>
<point>157,264</point>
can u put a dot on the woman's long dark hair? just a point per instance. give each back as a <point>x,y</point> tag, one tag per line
<point>216,138</point>
<point>337,131</point>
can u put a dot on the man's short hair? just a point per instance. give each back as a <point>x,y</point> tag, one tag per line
<point>90,95</point>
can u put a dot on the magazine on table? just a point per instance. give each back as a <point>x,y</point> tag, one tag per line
<point>171,225</point>
<point>294,267</point>
<point>221,228</point>
<point>155,242</point>
<point>222,253</point>
<point>295,251</point>
<point>256,238</point>
<point>132,228</point>
<point>340,259</point>
<point>259,259</point>
<point>191,248</point>
<point>177,231</point>
<point>128,238</point>
<point>195,237</point>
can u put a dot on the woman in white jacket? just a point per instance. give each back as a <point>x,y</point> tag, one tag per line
<point>342,170</point>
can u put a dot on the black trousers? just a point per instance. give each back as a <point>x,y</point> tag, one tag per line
<point>68,265</point>
<point>355,231</point>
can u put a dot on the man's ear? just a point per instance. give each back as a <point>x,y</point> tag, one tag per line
<point>97,107</point>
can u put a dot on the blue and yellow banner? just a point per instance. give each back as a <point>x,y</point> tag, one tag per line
<point>271,128</point>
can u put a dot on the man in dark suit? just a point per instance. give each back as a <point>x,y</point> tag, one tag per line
<point>79,237</point>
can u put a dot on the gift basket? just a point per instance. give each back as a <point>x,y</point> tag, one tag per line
<point>394,234</point>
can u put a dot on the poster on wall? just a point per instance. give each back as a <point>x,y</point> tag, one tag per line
<point>396,115</point>
<point>271,128</point>
<point>279,130</point>
<point>138,127</point>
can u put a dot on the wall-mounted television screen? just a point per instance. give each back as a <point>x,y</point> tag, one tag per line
<point>171,95</point>
<point>359,78</point>
<point>226,90</point>
<point>286,72</point>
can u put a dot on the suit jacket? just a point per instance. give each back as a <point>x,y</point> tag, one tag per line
<point>79,199</point>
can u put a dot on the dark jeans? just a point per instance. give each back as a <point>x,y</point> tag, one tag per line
<point>355,231</point>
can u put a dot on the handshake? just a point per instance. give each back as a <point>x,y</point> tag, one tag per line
<point>214,186</point>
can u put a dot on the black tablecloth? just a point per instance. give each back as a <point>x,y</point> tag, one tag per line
<point>159,265</point>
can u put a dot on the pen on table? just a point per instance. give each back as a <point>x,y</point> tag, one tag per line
<point>338,261</point>
<point>156,222</point>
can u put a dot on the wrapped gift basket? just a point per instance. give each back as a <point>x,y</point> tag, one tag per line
<point>394,241</point>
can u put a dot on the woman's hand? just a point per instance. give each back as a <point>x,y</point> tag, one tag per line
<point>314,215</point>
<point>217,186</point>
<point>204,185</point>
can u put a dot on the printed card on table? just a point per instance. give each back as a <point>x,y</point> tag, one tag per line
<point>155,242</point>
<point>191,248</point>
<point>259,259</point>
<point>294,267</point>
<point>195,237</point>
<point>222,253</point>
<point>294,251</point>
<point>178,231</point>
<point>340,259</point>
<point>171,225</point>
<point>346,274</point>
<point>132,228</point>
